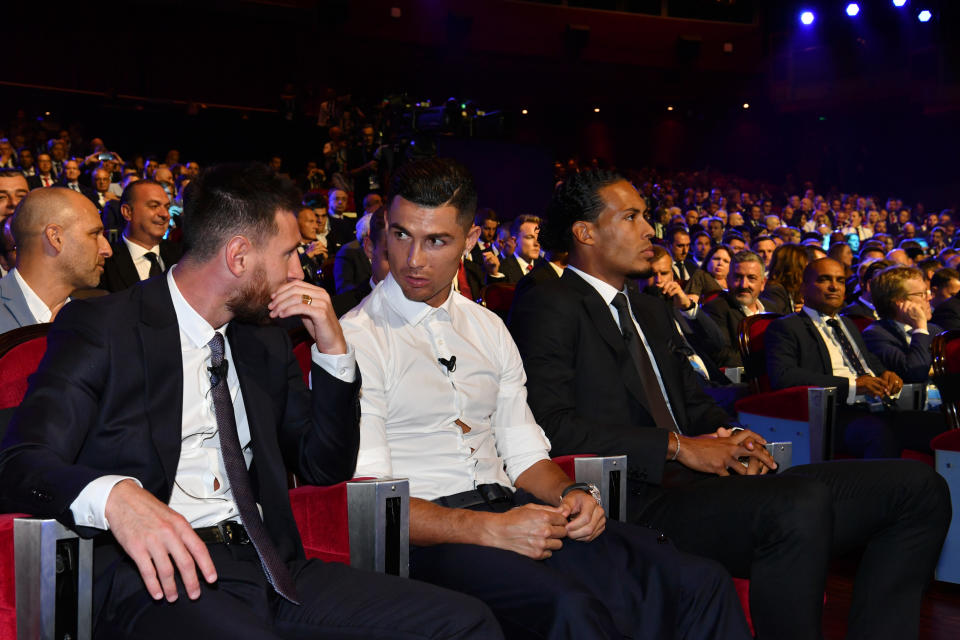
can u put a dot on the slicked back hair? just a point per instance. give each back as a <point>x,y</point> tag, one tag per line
<point>577,199</point>
<point>129,192</point>
<point>436,182</point>
<point>227,200</point>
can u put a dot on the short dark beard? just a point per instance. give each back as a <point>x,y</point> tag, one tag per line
<point>249,304</point>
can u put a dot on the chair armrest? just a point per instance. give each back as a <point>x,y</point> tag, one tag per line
<point>49,558</point>
<point>609,473</point>
<point>805,416</point>
<point>364,523</point>
<point>913,397</point>
<point>734,374</point>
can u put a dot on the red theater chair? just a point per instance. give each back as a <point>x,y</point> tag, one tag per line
<point>20,353</point>
<point>498,297</point>
<point>946,373</point>
<point>862,322</point>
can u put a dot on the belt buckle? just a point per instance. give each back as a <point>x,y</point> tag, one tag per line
<point>232,533</point>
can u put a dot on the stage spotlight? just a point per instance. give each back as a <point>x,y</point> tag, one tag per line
<point>524,112</point>
<point>899,3</point>
<point>746,105</point>
<point>596,109</point>
<point>669,107</point>
<point>853,9</point>
<point>924,16</point>
<point>807,18</point>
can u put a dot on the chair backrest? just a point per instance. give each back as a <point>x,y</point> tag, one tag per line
<point>301,349</point>
<point>707,297</point>
<point>752,350</point>
<point>498,296</point>
<point>20,353</point>
<point>862,322</point>
<point>946,373</point>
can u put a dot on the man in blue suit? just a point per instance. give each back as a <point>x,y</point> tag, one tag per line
<point>902,336</point>
<point>60,248</point>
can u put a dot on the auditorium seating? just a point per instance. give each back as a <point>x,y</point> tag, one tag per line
<point>946,449</point>
<point>946,373</point>
<point>20,352</point>
<point>498,297</point>
<point>862,322</point>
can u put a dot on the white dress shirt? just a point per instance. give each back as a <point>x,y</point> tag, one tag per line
<point>525,267</point>
<point>411,402</point>
<point>608,293</point>
<point>201,491</point>
<point>140,261</point>
<point>841,366</point>
<point>38,308</point>
<point>556,269</point>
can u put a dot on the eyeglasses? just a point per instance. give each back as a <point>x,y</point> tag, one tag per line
<point>922,294</point>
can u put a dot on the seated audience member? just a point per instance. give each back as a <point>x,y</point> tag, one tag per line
<point>375,248</point>
<point>745,282</point>
<point>488,222</point>
<point>870,252</point>
<point>711,278</point>
<point>342,223</point>
<point>944,285</point>
<point>678,245</point>
<point>13,188</point>
<point>113,220</point>
<point>734,240</point>
<point>701,247</point>
<point>705,344</point>
<point>141,442</point>
<point>524,230</point>
<point>549,268</point>
<point>781,293</point>
<point>59,248</point>
<point>902,336</point>
<point>351,266</point>
<point>764,246</point>
<point>929,266</point>
<point>863,304</point>
<point>101,185</point>
<point>371,202</point>
<point>594,389</point>
<point>8,247</point>
<point>900,257</point>
<point>141,252</point>
<point>44,176</point>
<point>842,253</point>
<point>490,513</point>
<point>312,250</point>
<point>946,313</point>
<point>816,347</point>
<point>71,180</point>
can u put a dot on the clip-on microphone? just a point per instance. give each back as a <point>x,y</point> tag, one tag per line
<point>450,364</point>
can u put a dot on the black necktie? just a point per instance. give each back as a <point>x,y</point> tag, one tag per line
<point>154,260</point>
<point>848,349</point>
<point>648,375</point>
<point>681,270</point>
<point>239,478</point>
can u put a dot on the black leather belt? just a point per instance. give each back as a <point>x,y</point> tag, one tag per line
<point>226,533</point>
<point>483,494</point>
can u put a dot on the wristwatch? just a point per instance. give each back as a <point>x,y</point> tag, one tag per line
<point>589,487</point>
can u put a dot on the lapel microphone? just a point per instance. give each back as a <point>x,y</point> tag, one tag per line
<point>218,372</point>
<point>450,364</point>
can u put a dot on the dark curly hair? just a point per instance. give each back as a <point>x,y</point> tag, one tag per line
<point>576,199</point>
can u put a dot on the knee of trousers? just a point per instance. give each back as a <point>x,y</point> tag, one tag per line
<point>926,492</point>
<point>801,511</point>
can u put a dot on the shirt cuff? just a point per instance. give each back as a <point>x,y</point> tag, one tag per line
<point>343,367</point>
<point>690,314</point>
<point>920,331</point>
<point>852,391</point>
<point>88,507</point>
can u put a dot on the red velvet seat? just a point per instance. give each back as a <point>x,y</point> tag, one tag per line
<point>862,322</point>
<point>20,352</point>
<point>498,297</point>
<point>946,373</point>
<point>8,606</point>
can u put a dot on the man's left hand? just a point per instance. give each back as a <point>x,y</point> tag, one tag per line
<point>312,304</point>
<point>588,518</point>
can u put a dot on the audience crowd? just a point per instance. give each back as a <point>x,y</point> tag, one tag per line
<point>861,284</point>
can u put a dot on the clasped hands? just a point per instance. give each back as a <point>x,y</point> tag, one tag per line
<point>537,530</point>
<point>721,452</point>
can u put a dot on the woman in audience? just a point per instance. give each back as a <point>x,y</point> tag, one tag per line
<point>782,291</point>
<point>712,278</point>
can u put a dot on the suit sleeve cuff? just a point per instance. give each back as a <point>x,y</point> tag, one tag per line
<point>88,508</point>
<point>343,367</point>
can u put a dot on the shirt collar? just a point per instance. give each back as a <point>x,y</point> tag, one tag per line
<point>524,265</point>
<point>607,291</point>
<point>38,308</point>
<point>136,251</point>
<point>816,316</point>
<point>411,311</point>
<point>197,330</point>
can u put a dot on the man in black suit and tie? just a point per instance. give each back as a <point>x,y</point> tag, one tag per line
<point>487,220</point>
<point>141,252</point>
<point>817,347</point>
<point>44,176</point>
<point>163,420</point>
<point>525,229</point>
<point>605,374</point>
<point>71,180</point>
<point>678,245</point>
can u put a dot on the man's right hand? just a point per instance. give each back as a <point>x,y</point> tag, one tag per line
<point>871,386</point>
<point>533,530</point>
<point>719,454</point>
<point>152,533</point>
<point>491,263</point>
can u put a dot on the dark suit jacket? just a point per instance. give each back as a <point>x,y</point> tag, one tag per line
<point>343,302</point>
<point>511,270</point>
<point>351,267</point>
<point>542,272</point>
<point>107,399</point>
<point>889,342</point>
<point>582,384</point>
<point>342,231</point>
<point>797,355</point>
<point>112,218</point>
<point>857,308</point>
<point>690,266</point>
<point>776,299</point>
<point>119,273</point>
<point>947,315</point>
<point>90,192</point>
<point>475,275</point>
<point>726,312</point>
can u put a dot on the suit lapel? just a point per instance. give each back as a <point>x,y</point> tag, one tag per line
<point>602,318</point>
<point>15,301</point>
<point>163,372</point>
<point>826,363</point>
<point>126,269</point>
<point>896,330</point>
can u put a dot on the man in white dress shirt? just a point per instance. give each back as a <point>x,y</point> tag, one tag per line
<point>60,248</point>
<point>444,405</point>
